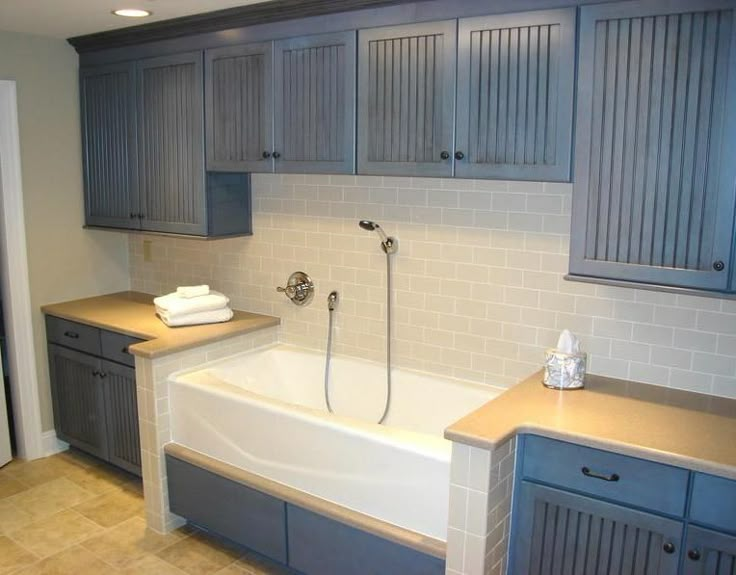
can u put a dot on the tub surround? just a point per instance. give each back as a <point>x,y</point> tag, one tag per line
<point>669,426</point>
<point>133,313</point>
<point>383,529</point>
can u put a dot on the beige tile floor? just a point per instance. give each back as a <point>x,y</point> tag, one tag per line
<point>71,514</point>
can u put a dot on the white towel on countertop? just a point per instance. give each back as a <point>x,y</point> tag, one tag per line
<point>175,305</point>
<point>192,291</point>
<point>197,318</point>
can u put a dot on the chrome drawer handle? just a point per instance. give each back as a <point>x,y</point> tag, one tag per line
<point>588,473</point>
<point>71,334</point>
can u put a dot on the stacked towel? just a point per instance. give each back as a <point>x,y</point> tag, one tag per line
<point>182,308</point>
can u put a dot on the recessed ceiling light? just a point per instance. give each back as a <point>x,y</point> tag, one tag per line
<point>132,13</point>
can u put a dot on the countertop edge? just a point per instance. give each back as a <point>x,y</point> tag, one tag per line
<point>642,452</point>
<point>131,309</point>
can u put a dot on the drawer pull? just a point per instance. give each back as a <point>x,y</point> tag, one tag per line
<point>693,554</point>
<point>668,548</point>
<point>71,334</point>
<point>588,473</point>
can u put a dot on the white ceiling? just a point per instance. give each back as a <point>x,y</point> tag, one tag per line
<point>67,18</point>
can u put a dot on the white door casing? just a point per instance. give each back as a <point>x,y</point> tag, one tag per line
<point>16,293</point>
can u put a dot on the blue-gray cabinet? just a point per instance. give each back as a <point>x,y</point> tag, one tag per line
<point>314,104</point>
<point>584,510</point>
<point>406,99</point>
<point>654,192</point>
<point>487,97</point>
<point>93,390</point>
<point>143,150</point>
<point>561,532</point>
<point>515,86</point>
<point>171,144</point>
<point>109,145</point>
<point>709,553</point>
<point>239,108</point>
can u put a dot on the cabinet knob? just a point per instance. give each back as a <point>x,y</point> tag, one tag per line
<point>718,265</point>
<point>459,155</point>
<point>693,554</point>
<point>276,155</point>
<point>668,547</point>
<point>142,216</point>
<point>445,155</point>
<point>133,216</point>
<point>95,373</point>
<point>266,154</point>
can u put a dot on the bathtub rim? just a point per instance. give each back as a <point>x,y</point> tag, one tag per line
<point>383,529</point>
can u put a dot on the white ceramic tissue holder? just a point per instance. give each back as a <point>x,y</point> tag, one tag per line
<point>564,367</point>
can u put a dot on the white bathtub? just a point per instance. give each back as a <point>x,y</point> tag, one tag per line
<point>264,412</point>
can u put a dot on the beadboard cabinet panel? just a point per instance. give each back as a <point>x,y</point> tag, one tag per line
<point>170,144</point>
<point>560,532</point>
<point>516,77</point>
<point>107,95</point>
<point>79,399</point>
<point>238,108</point>
<point>654,191</point>
<point>121,416</point>
<point>314,104</point>
<point>406,99</point>
<point>709,553</point>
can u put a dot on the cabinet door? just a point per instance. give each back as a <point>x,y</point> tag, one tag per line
<point>77,392</point>
<point>238,95</point>
<point>709,553</point>
<point>170,144</point>
<point>121,414</point>
<point>314,104</point>
<point>406,99</point>
<point>107,95</point>
<point>516,76</point>
<point>653,200</point>
<point>558,532</point>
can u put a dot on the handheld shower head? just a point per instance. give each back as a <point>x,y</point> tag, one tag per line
<point>390,245</point>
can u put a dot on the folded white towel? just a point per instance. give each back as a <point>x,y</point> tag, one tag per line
<point>192,291</point>
<point>197,318</point>
<point>176,305</point>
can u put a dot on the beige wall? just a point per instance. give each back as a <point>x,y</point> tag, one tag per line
<point>479,281</point>
<point>65,261</point>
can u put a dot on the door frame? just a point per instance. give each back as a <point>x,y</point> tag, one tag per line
<point>17,294</point>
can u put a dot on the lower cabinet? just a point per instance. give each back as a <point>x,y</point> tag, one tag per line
<point>561,532</point>
<point>709,553</point>
<point>79,401</point>
<point>94,397</point>
<point>580,510</point>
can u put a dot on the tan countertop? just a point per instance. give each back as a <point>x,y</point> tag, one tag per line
<point>133,313</point>
<point>670,426</point>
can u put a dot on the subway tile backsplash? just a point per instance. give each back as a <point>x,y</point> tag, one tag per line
<point>479,288</point>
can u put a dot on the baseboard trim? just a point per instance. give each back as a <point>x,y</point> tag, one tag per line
<point>52,444</point>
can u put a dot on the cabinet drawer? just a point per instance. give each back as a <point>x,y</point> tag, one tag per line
<point>714,501</point>
<point>73,335</point>
<point>115,347</point>
<point>607,475</point>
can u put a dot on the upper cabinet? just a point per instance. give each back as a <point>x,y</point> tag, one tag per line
<point>515,96</point>
<point>238,96</point>
<point>109,157</point>
<point>314,104</point>
<point>286,106</point>
<point>505,112</point>
<point>170,144</point>
<point>406,99</point>
<point>656,140</point>
<point>143,150</point>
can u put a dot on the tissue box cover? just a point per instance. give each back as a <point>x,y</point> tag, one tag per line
<point>564,370</point>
